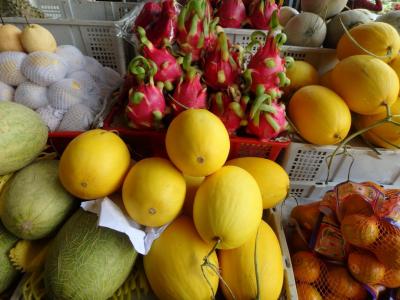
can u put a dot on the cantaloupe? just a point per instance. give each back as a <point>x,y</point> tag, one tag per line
<point>34,203</point>
<point>23,136</point>
<point>86,261</point>
<point>325,8</point>
<point>285,14</point>
<point>7,271</point>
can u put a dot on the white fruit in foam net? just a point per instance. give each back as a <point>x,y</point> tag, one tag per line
<point>10,68</point>
<point>94,68</point>
<point>51,117</point>
<point>65,93</point>
<point>72,56</point>
<point>112,78</point>
<point>78,118</point>
<point>6,92</point>
<point>44,68</point>
<point>31,95</point>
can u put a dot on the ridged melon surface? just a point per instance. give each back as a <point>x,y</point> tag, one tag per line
<point>7,272</point>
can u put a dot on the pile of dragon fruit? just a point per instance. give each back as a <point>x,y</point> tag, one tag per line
<point>187,61</point>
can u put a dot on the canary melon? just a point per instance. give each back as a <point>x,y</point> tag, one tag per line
<point>86,261</point>
<point>8,274</point>
<point>395,64</point>
<point>23,135</point>
<point>320,115</point>
<point>173,265</point>
<point>325,80</point>
<point>197,142</point>
<point>272,179</point>
<point>228,207</point>
<point>376,84</point>
<point>238,267</point>
<point>153,192</point>
<point>94,164</point>
<point>301,73</point>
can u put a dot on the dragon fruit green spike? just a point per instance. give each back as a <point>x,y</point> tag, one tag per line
<point>44,68</point>
<point>72,56</point>
<point>232,13</point>
<point>168,68</point>
<point>51,117</point>
<point>267,118</point>
<point>65,93</point>
<point>146,105</point>
<point>221,68</point>
<point>230,107</point>
<point>6,92</point>
<point>263,14</point>
<point>31,95</point>
<point>10,68</point>
<point>196,28</point>
<point>79,117</point>
<point>267,68</point>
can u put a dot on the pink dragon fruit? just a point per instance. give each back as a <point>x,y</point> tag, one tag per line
<point>169,70</point>
<point>267,68</point>
<point>196,30</point>
<point>232,13</point>
<point>146,105</point>
<point>230,107</point>
<point>263,14</point>
<point>221,67</point>
<point>189,93</point>
<point>267,118</point>
<point>148,15</point>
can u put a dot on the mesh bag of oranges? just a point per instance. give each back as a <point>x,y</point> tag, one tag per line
<point>348,243</point>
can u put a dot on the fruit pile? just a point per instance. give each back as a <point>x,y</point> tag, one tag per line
<point>212,209</point>
<point>361,90</point>
<point>66,88</point>
<point>346,245</point>
<point>191,63</point>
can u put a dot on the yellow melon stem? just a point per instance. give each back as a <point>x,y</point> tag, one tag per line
<point>359,46</point>
<point>388,119</point>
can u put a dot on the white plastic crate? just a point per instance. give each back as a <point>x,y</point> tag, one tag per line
<point>323,59</point>
<point>94,38</point>
<point>309,163</point>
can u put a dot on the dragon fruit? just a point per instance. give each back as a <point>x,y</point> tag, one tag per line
<point>267,68</point>
<point>196,29</point>
<point>189,93</point>
<point>267,118</point>
<point>230,107</point>
<point>146,105</point>
<point>232,13</point>
<point>148,15</point>
<point>169,70</point>
<point>263,14</point>
<point>221,67</point>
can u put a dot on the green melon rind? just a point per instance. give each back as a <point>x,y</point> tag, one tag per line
<point>7,272</point>
<point>86,261</point>
<point>34,203</point>
<point>23,136</point>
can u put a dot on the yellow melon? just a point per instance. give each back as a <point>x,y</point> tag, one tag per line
<point>197,142</point>
<point>386,135</point>
<point>320,115</point>
<point>94,164</point>
<point>301,73</point>
<point>238,267</point>
<point>192,184</point>
<point>228,207</point>
<point>325,80</point>
<point>153,192</point>
<point>173,265</point>
<point>395,64</point>
<point>271,178</point>
<point>366,83</point>
<point>379,38</point>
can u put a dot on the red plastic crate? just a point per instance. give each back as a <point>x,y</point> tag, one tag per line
<point>59,140</point>
<point>146,143</point>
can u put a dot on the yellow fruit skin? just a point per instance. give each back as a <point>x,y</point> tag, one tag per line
<point>153,192</point>
<point>37,38</point>
<point>271,178</point>
<point>197,142</point>
<point>228,206</point>
<point>366,83</point>
<point>320,115</point>
<point>385,132</point>
<point>377,37</point>
<point>173,264</point>
<point>10,38</point>
<point>301,74</point>
<point>238,269</point>
<point>395,64</point>
<point>94,164</point>
<point>192,185</point>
